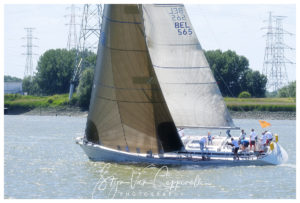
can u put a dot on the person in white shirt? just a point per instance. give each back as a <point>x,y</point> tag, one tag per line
<point>252,139</point>
<point>234,143</point>
<point>269,136</point>
<point>202,143</point>
<point>263,141</point>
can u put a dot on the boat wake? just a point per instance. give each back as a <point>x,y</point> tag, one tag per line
<point>284,154</point>
<point>288,166</point>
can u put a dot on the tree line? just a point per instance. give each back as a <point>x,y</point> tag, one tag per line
<point>54,72</point>
<point>8,78</point>
<point>55,69</point>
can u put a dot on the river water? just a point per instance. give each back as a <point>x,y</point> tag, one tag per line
<point>41,160</point>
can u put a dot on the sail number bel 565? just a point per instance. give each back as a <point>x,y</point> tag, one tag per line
<point>183,28</point>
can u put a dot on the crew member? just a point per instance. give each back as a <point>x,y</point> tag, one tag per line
<point>202,143</point>
<point>242,136</point>
<point>235,145</point>
<point>269,137</point>
<point>245,144</point>
<point>209,138</point>
<point>253,137</point>
<point>263,141</point>
<point>228,133</point>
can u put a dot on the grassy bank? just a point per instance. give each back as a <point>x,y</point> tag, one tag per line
<point>261,104</point>
<point>26,103</point>
<point>16,102</point>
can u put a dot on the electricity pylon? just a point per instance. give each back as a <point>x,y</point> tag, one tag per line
<point>88,39</point>
<point>275,61</point>
<point>29,45</point>
<point>72,36</point>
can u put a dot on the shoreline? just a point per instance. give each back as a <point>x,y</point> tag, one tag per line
<point>78,112</point>
<point>59,111</point>
<point>264,115</point>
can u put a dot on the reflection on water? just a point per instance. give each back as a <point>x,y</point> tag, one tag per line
<point>42,161</point>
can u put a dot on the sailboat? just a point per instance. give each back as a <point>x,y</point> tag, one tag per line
<point>152,78</point>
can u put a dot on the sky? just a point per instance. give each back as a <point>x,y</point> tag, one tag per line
<point>218,26</point>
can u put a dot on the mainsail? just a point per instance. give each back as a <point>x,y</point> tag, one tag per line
<point>127,110</point>
<point>187,83</point>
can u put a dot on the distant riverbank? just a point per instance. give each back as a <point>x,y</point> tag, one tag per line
<point>50,111</point>
<point>76,111</point>
<point>264,115</point>
<point>59,105</point>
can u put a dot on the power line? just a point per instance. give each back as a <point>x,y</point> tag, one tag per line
<point>29,53</point>
<point>88,39</point>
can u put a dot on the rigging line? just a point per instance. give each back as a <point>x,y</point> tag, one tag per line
<point>228,88</point>
<point>124,88</point>
<point>122,126</point>
<point>218,43</point>
<point>126,50</point>
<point>160,44</point>
<point>208,25</point>
<point>136,102</point>
<point>208,127</point>
<point>146,95</point>
<point>198,67</point>
<point>118,21</point>
<point>193,83</point>
<point>168,5</point>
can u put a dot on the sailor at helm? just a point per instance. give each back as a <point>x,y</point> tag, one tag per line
<point>202,143</point>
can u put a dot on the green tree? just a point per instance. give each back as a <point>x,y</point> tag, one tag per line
<point>254,83</point>
<point>31,86</point>
<point>288,91</point>
<point>54,71</point>
<point>89,59</point>
<point>8,78</point>
<point>233,74</point>
<point>244,94</point>
<point>85,87</point>
<point>227,68</point>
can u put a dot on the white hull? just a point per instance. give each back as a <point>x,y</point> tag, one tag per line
<point>99,153</point>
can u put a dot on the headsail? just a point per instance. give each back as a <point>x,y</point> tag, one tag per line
<point>187,83</point>
<point>127,109</point>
